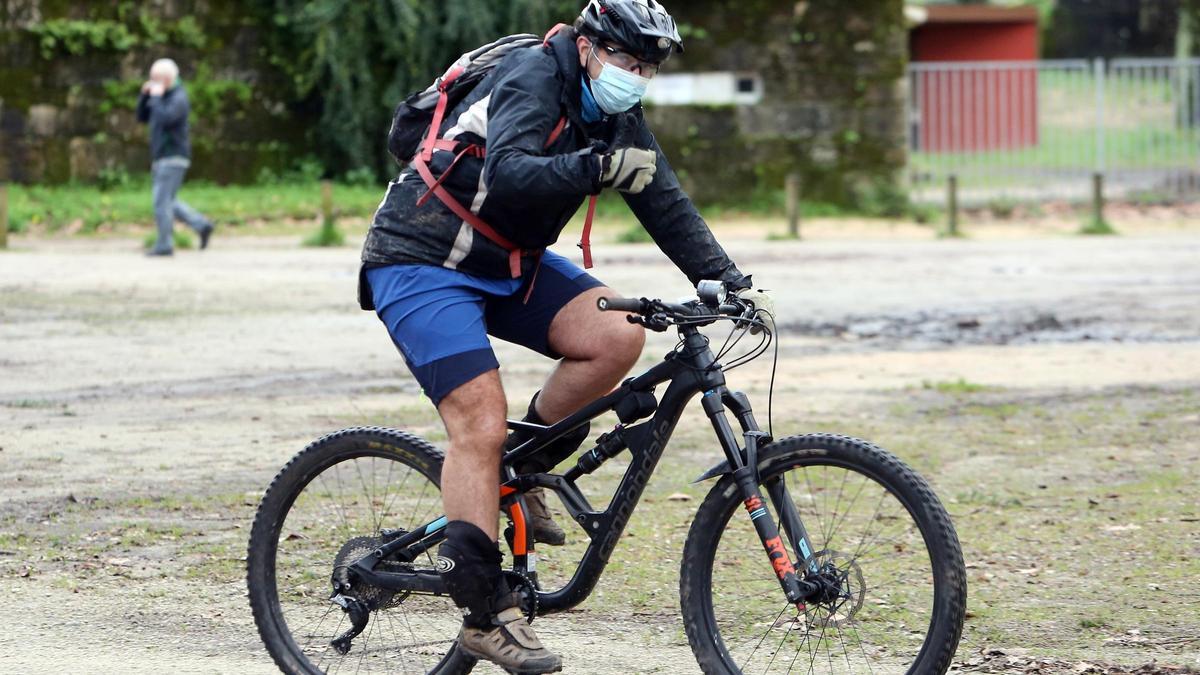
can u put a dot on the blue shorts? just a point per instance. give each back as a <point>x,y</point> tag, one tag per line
<point>440,318</point>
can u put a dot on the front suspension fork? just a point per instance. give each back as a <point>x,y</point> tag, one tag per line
<point>745,474</point>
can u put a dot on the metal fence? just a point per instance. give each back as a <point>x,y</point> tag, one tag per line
<point>1044,129</point>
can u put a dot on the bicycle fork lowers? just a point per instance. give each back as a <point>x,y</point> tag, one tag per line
<point>742,463</point>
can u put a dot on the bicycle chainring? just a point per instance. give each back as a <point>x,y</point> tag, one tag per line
<point>526,589</point>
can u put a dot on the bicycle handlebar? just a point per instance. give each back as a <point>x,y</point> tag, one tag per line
<point>634,305</point>
<point>646,307</point>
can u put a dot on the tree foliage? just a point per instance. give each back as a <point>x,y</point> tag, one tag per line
<point>355,59</point>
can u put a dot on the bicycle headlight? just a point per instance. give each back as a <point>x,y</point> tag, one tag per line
<point>711,292</point>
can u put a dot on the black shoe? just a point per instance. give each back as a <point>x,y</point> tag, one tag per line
<point>205,234</point>
<point>156,253</point>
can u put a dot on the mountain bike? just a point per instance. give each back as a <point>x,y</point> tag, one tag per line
<point>844,561</point>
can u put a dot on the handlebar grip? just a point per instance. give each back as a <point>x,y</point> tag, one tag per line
<point>620,304</point>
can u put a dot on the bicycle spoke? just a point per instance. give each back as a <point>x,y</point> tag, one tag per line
<point>337,515</point>
<point>876,557</point>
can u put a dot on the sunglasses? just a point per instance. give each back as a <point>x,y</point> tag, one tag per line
<point>629,62</point>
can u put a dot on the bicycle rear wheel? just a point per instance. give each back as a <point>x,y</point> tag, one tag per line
<point>327,508</point>
<point>879,536</point>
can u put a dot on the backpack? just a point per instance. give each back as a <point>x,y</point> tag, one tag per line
<point>416,114</point>
<point>416,123</point>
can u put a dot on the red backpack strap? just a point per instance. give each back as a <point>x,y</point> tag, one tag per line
<point>585,242</point>
<point>553,31</point>
<point>514,251</point>
<point>439,113</point>
<point>558,129</point>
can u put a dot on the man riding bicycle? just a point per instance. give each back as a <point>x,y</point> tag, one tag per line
<point>441,285</point>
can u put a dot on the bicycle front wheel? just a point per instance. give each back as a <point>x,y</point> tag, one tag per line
<point>333,504</point>
<point>879,541</point>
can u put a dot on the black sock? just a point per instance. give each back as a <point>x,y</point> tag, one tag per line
<point>551,455</point>
<point>471,570</point>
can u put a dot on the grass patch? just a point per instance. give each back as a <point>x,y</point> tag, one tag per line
<point>183,240</point>
<point>1097,227</point>
<point>328,236</point>
<point>959,386</point>
<point>89,208</point>
<point>30,403</point>
<point>1003,207</point>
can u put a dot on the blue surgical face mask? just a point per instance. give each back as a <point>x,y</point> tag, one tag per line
<point>617,89</point>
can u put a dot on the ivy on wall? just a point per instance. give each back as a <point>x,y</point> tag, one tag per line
<point>76,37</point>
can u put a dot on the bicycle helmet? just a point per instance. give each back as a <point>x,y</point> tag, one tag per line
<point>641,27</point>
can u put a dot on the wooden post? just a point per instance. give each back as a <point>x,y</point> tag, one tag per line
<point>3,215</point>
<point>326,203</point>
<point>328,234</point>
<point>1097,199</point>
<point>952,206</point>
<point>792,188</point>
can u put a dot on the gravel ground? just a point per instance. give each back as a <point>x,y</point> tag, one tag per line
<point>135,390</point>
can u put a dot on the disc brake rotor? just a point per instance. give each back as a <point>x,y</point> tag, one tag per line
<point>845,586</point>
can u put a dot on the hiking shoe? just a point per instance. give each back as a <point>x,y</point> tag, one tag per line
<point>159,253</point>
<point>511,644</point>
<point>205,234</point>
<point>543,527</point>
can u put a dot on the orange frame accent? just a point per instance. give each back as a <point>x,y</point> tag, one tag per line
<point>520,541</point>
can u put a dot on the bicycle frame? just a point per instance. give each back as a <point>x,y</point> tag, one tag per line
<point>689,371</point>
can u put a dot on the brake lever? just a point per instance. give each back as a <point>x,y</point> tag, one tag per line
<point>657,322</point>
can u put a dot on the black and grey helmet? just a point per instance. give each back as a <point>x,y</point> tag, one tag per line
<point>641,27</point>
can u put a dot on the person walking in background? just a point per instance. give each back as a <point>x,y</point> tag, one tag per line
<point>163,105</point>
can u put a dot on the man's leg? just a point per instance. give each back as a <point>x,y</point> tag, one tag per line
<point>598,350</point>
<point>163,194</point>
<point>193,218</point>
<point>494,627</point>
<point>435,317</point>
<point>595,349</point>
<point>475,418</point>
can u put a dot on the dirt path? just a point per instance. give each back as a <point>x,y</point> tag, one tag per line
<point>144,404</point>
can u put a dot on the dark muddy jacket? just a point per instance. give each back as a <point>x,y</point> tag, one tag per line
<point>167,116</point>
<point>527,191</point>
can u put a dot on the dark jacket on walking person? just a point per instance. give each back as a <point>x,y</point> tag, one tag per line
<point>167,116</point>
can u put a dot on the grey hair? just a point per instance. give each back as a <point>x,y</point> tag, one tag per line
<point>167,67</point>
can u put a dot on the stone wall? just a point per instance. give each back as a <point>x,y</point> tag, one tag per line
<point>833,106</point>
<point>69,75</point>
<point>832,70</point>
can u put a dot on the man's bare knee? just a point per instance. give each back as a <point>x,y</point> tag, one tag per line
<point>581,333</point>
<point>627,344</point>
<point>475,415</point>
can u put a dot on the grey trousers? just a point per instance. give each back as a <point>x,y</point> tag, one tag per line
<point>167,175</point>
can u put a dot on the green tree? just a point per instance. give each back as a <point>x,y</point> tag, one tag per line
<point>354,60</point>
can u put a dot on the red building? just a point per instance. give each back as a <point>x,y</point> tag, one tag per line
<point>987,98</point>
